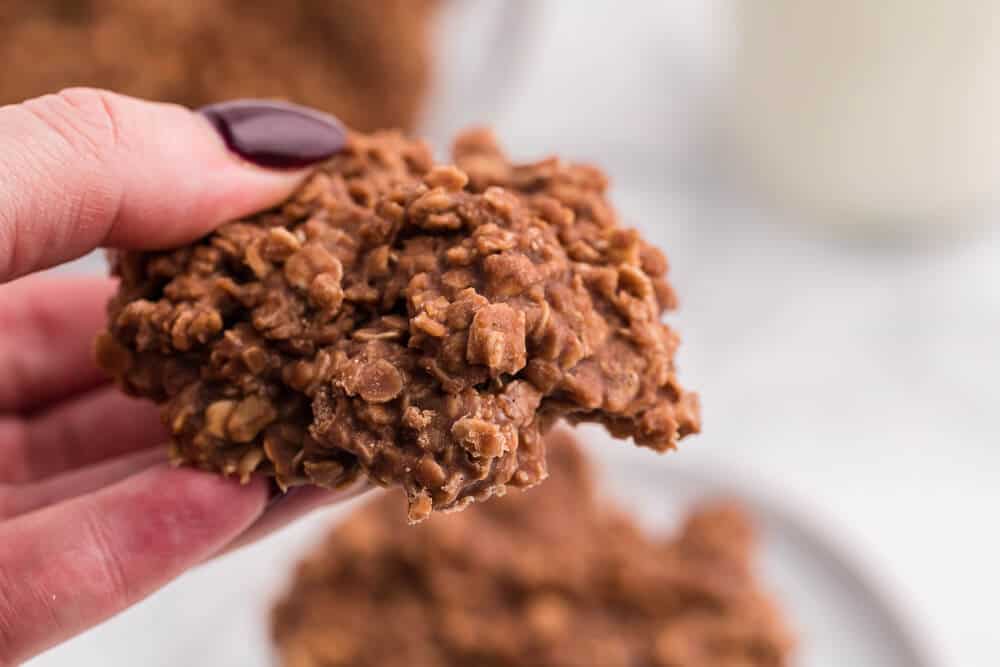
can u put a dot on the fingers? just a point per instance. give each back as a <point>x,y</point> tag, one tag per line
<point>86,168</point>
<point>18,500</point>
<point>47,329</point>
<point>294,505</point>
<point>65,568</point>
<point>91,428</point>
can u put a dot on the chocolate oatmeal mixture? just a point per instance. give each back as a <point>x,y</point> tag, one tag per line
<point>550,577</point>
<point>367,61</point>
<point>422,323</point>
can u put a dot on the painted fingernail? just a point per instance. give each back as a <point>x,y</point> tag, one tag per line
<point>277,134</point>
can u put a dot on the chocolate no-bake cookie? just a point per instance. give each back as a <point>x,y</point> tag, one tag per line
<point>422,323</point>
<point>549,577</point>
<point>367,61</point>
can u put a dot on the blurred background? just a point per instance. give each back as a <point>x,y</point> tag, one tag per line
<point>822,177</point>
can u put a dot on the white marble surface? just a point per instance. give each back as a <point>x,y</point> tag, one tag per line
<point>859,375</point>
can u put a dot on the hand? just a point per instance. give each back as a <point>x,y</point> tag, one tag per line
<point>92,519</point>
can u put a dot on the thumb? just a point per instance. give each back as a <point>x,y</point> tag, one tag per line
<point>87,168</point>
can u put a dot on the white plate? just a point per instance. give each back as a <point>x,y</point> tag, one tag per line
<point>218,615</point>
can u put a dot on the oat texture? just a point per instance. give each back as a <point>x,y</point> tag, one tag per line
<point>423,324</point>
<point>550,577</point>
<point>367,61</point>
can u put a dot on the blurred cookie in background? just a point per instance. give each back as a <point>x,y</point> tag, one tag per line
<point>367,61</point>
<point>548,576</point>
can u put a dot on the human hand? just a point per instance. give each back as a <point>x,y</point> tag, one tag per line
<point>92,519</point>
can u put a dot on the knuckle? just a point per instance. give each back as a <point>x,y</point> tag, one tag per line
<point>86,122</point>
<point>43,600</point>
<point>94,115</point>
<point>111,575</point>
<point>81,118</point>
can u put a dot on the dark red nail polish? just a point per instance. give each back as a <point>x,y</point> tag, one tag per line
<point>277,134</point>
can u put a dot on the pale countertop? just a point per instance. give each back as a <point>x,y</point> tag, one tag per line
<point>859,375</point>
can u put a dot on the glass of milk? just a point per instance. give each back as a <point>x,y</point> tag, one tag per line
<point>878,112</point>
